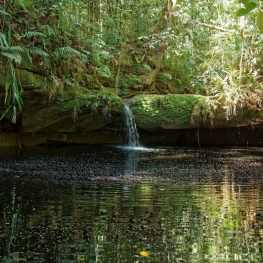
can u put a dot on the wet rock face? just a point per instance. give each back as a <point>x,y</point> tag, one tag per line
<point>72,115</point>
<point>65,115</point>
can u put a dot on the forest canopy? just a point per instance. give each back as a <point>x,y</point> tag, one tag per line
<point>211,48</point>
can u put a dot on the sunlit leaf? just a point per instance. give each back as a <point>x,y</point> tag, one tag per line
<point>144,253</point>
<point>259,21</point>
<point>249,6</point>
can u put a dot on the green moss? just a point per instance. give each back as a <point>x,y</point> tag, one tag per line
<point>96,101</point>
<point>30,80</point>
<point>166,110</point>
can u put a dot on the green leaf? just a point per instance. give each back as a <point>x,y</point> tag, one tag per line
<point>243,1</point>
<point>4,13</point>
<point>249,6</point>
<point>259,21</point>
<point>23,3</point>
<point>5,112</point>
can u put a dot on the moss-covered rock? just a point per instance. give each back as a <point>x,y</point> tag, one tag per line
<point>154,112</point>
<point>175,111</point>
<point>55,112</point>
<point>78,110</point>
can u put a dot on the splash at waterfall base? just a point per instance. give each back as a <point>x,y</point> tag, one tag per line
<point>174,120</point>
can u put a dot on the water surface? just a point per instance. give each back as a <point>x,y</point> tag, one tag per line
<point>114,204</point>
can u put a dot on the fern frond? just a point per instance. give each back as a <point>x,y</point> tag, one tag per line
<point>105,72</point>
<point>48,30</point>
<point>17,49</point>
<point>165,75</point>
<point>11,54</point>
<point>3,40</point>
<point>34,34</point>
<point>67,51</point>
<point>37,51</point>
<point>86,52</point>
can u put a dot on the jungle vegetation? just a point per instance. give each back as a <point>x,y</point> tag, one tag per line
<point>211,48</point>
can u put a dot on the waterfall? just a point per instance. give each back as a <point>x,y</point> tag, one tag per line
<point>131,128</point>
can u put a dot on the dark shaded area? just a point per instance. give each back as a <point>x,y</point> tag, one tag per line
<point>238,136</point>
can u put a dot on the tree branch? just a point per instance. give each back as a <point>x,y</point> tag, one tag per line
<point>215,27</point>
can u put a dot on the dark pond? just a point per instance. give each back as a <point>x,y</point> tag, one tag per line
<point>110,204</point>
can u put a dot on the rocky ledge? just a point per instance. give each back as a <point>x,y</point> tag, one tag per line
<point>77,115</point>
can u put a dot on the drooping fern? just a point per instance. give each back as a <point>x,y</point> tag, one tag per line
<point>66,50</point>
<point>13,91</point>
<point>37,51</point>
<point>11,54</point>
<point>3,40</point>
<point>48,30</point>
<point>69,51</point>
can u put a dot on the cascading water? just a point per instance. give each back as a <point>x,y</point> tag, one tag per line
<point>132,131</point>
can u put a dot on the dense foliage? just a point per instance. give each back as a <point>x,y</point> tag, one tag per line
<point>199,47</point>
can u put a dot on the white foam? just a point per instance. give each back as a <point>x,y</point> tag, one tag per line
<point>139,148</point>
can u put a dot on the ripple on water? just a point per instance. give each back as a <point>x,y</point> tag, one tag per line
<point>113,205</point>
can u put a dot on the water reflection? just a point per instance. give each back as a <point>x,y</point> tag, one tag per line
<point>110,205</point>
